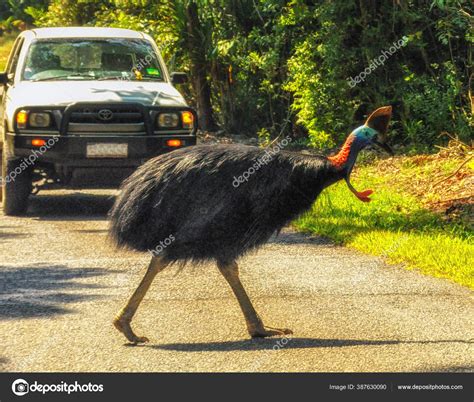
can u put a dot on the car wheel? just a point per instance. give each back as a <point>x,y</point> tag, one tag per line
<point>16,186</point>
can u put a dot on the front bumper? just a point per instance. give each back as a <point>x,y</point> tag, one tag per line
<point>72,150</point>
<point>77,150</point>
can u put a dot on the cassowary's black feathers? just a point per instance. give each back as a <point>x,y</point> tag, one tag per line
<point>190,196</point>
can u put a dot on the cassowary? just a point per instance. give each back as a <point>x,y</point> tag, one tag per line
<point>190,205</point>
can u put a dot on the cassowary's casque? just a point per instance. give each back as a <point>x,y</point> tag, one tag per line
<point>189,206</point>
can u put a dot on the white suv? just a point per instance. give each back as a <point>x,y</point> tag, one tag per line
<point>83,107</point>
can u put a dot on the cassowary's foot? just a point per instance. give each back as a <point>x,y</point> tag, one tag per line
<point>264,332</point>
<point>124,327</point>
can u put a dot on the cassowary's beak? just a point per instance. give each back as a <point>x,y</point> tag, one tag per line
<point>384,146</point>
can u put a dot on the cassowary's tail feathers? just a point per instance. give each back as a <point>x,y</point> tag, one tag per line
<point>127,218</point>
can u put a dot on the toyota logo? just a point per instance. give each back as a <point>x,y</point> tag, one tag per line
<point>105,114</point>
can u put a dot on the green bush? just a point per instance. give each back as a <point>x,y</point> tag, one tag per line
<point>287,66</point>
<point>426,79</point>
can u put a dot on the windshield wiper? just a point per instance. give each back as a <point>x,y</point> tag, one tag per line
<point>63,76</point>
<point>112,77</point>
<point>150,77</point>
<point>121,78</point>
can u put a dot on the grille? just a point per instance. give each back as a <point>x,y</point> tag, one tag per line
<point>119,116</point>
<point>106,119</point>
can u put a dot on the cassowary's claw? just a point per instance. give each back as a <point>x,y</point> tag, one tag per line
<point>263,332</point>
<point>125,328</point>
<point>139,339</point>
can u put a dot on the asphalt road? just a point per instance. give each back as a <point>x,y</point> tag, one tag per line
<point>61,284</point>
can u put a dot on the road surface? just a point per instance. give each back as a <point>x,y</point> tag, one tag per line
<point>61,283</point>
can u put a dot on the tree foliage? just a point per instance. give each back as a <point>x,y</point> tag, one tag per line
<point>275,66</point>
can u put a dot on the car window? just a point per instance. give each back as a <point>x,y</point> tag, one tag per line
<point>127,59</point>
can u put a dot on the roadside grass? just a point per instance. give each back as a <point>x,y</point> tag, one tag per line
<point>399,224</point>
<point>6,43</point>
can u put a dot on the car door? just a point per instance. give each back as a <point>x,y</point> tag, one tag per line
<point>12,64</point>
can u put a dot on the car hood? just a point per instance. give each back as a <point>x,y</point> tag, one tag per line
<point>64,93</point>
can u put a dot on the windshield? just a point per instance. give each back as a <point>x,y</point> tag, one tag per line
<point>116,59</point>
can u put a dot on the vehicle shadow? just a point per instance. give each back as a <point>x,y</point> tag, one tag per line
<point>72,206</point>
<point>89,206</point>
<point>38,291</point>
<point>287,343</point>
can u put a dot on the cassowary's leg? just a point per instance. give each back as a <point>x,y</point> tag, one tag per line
<point>254,323</point>
<point>123,319</point>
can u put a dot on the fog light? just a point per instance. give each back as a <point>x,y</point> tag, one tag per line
<point>174,143</point>
<point>21,119</point>
<point>38,142</point>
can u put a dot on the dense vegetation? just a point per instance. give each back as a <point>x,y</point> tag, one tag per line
<point>271,66</point>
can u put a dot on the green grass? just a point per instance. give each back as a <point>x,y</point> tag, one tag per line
<point>394,225</point>
<point>6,43</point>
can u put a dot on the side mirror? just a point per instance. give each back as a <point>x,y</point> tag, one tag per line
<point>4,78</point>
<point>179,78</point>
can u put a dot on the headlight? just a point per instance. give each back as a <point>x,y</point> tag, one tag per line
<point>168,120</point>
<point>187,119</point>
<point>39,119</point>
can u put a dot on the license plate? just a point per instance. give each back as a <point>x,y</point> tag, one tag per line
<point>107,150</point>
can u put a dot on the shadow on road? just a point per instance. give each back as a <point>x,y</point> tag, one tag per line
<point>91,231</point>
<point>74,206</point>
<point>291,343</point>
<point>268,343</point>
<point>6,235</point>
<point>290,237</point>
<point>38,291</point>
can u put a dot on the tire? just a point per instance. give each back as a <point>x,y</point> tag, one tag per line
<point>15,192</point>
